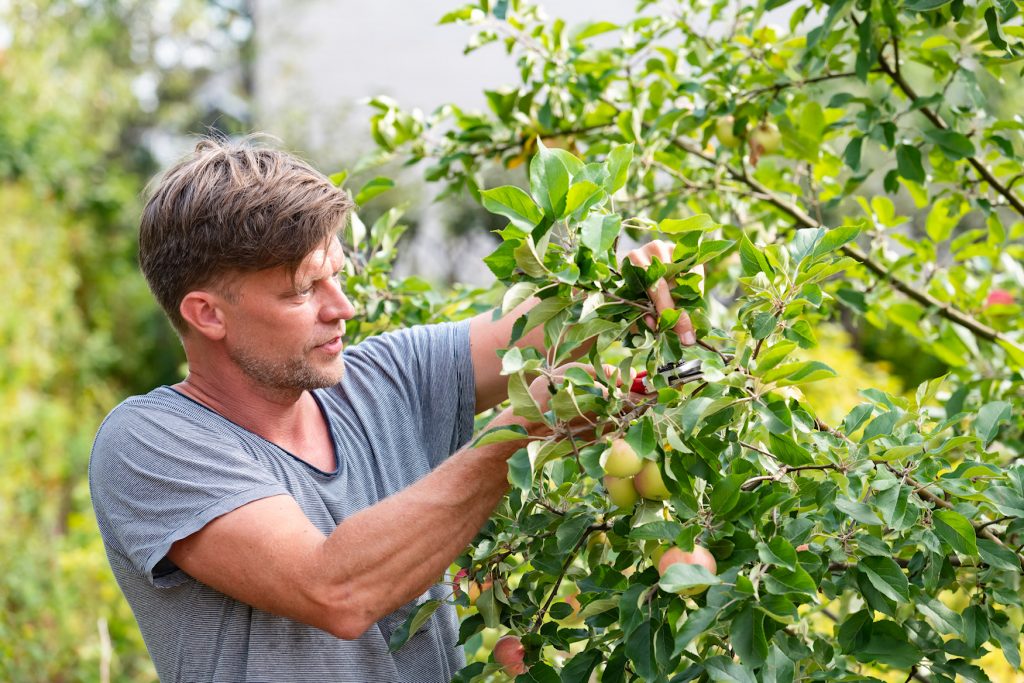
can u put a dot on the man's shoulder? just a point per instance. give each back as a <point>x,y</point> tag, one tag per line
<point>158,416</point>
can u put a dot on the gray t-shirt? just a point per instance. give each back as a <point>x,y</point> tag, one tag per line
<point>163,466</point>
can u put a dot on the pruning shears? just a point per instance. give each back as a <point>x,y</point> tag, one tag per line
<point>675,374</point>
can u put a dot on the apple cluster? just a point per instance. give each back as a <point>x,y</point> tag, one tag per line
<point>628,477</point>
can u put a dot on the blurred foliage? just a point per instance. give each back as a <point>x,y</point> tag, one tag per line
<point>84,89</point>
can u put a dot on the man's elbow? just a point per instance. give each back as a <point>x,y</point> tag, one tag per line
<point>343,613</point>
<point>346,628</point>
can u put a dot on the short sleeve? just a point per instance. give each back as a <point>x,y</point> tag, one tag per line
<point>158,475</point>
<point>430,369</point>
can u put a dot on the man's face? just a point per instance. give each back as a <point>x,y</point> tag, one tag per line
<point>286,334</point>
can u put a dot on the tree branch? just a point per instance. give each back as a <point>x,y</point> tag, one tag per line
<point>805,220</point>
<point>897,77</point>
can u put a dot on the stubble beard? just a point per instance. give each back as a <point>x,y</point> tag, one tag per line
<point>292,374</point>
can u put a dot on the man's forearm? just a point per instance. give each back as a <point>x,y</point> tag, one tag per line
<point>407,541</point>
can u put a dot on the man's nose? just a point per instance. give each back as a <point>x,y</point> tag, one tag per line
<point>337,304</point>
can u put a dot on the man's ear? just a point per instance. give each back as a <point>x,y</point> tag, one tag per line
<point>203,312</point>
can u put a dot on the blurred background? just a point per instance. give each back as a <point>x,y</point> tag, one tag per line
<point>95,98</point>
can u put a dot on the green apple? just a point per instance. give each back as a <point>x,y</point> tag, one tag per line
<point>621,491</point>
<point>700,556</point>
<point>723,131</point>
<point>622,460</point>
<point>649,484</point>
<point>766,138</point>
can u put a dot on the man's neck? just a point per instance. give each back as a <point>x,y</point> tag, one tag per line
<point>281,417</point>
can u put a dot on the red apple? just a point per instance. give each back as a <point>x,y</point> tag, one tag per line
<point>649,484</point>
<point>622,460</point>
<point>700,556</point>
<point>999,297</point>
<point>509,652</point>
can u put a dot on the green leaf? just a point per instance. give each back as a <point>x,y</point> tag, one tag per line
<point>752,259</point>
<point>500,435</point>
<point>956,530</point>
<point>774,355</point>
<point>889,645</point>
<point>798,373</point>
<point>502,261</point>
<point>514,204</point>
<point>747,636</point>
<point>782,581</point>
<point>887,577</point>
<point>598,232</point>
<point>835,238</point>
<point>520,472</point>
<point>528,260</point>
<point>721,669</point>
<point>908,163</point>
<point>944,619</point>
<point>373,188</point>
<point>992,23</point>
<point>656,531</point>
<point>1006,500</point>
<point>857,417</point>
<point>582,195</point>
<point>549,181</point>
<point>991,415</point>
<point>881,425</point>
<point>762,324</point>
<point>700,222</point>
<point>696,623</point>
<point>855,631</point>
<point>641,436</point>
<point>942,218</point>
<point>954,145</point>
<point>581,666</point>
<point>412,624</point>
<point>778,551</point>
<point>998,556</point>
<point>619,160</point>
<point>926,5</point>
<point>709,249</point>
<point>788,451</point>
<point>570,531</point>
<point>681,576</point>
<point>778,668</point>
<point>857,511</point>
<point>640,651</point>
<point>523,404</point>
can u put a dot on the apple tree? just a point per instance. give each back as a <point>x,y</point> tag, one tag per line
<point>854,161</point>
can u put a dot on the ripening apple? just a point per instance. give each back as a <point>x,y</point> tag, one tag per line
<point>766,138</point>
<point>622,460</point>
<point>475,589</point>
<point>649,484</point>
<point>621,491</point>
<point>723,131</point>
<point>999,297</point>
<point>509,652</point>
<point>700,556</point>
<point>574,619</point>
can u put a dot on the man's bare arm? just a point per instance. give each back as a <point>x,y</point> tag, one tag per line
<point>269,555</point>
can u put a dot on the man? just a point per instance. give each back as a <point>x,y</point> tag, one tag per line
<point>275,515</point>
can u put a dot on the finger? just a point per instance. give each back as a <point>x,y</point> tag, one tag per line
<point>639,257</point>
<point>662,298</point>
